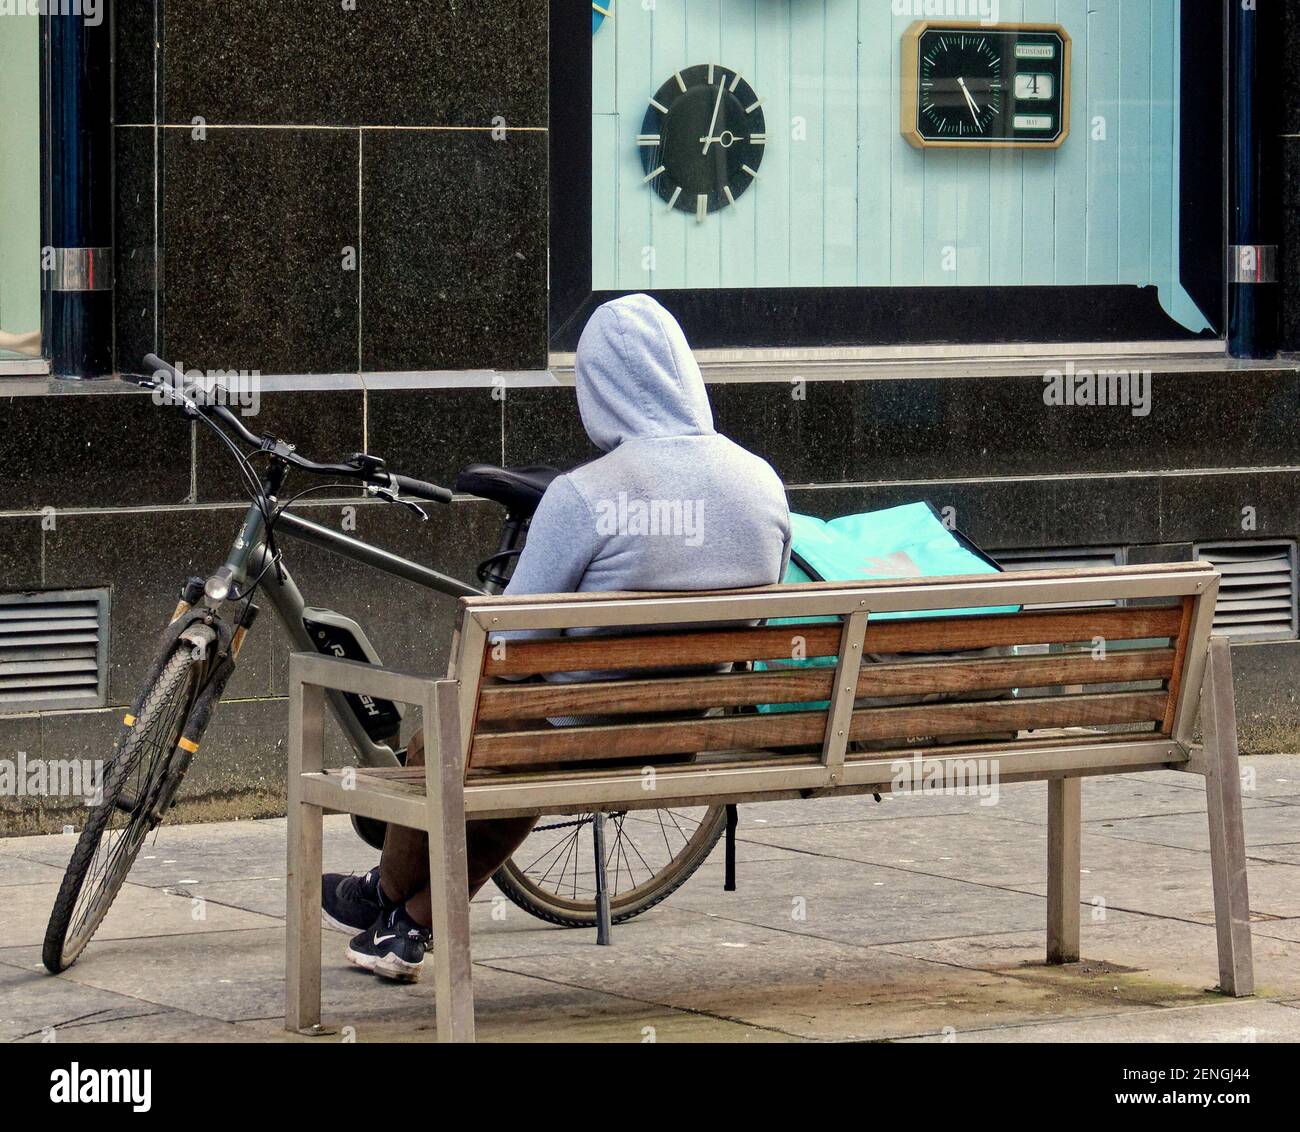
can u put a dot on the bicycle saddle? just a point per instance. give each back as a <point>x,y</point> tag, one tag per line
<point>518,490</point>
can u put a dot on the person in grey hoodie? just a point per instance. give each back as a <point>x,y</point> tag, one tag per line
<point>672,505</point>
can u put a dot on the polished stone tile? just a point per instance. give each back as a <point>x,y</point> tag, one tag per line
<point>433,433</point>
<point>831,431</point>
<point>21,563</point>
<point>134,252</point>
<point>326,426</point>
<point>399,63</point>
<point>434,202</point>
<point>1290,251</point>
<point>1213,508</point>
<point>543,427</point>
<point>134,28</point>
<point>93,450</point>
<point>255,227</point>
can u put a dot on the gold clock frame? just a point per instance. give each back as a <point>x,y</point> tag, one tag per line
<point>912,78</point>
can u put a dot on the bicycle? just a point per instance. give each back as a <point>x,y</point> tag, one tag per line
<point>551,877</point>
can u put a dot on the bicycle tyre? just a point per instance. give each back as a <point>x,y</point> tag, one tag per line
<point>141,780</point>
<point>513,880</point>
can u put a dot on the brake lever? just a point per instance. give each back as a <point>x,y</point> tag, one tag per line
<point>390,496</point>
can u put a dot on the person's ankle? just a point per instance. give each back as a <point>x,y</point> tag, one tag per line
<point>419,921</point>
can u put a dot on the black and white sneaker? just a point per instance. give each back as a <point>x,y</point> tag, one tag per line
<point>392,947</point>
<point>351,903</point>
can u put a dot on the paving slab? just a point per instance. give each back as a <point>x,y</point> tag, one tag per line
<point>808,987</point>
<point>1277,929</point>
<point>1116,872</point>
<point>37,1004</point>
<point>1265,824</point>
<point>1173,958</point>
<point>15,870</point>
<point>152,1026</point>
<point>1244,1021</point>
<point>241,978</point>
<point>137,912</point>
<point>1115,796</point>
<point>860,903</point>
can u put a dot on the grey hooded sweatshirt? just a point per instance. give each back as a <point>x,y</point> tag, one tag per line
<point>672,505</point>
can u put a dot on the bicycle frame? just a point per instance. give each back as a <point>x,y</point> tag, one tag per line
<point>249,557</point>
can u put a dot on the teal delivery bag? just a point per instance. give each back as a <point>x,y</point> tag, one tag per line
<point>903,542</point>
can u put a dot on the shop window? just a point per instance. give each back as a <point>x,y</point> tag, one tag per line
<point>864,172</point>
<point>20,190</point>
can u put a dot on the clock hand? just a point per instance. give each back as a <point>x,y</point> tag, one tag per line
<point>722,87</point>
<point>974,108</point>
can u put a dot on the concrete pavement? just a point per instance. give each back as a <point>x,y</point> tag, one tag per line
<point>915,919</point>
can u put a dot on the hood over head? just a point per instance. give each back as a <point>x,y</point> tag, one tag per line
<point>636,376</point>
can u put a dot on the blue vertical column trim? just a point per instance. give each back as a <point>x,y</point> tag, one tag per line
<point>1252,236</point>
<point>77,191</point>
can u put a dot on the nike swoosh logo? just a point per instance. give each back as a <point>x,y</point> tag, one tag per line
<point>384,939</point>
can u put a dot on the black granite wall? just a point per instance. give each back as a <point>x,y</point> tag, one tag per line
<point>301,184</point>
<point>258,143</point>
<point>1289,189</point>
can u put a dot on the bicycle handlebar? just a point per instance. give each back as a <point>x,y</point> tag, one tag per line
<point>363,467</point>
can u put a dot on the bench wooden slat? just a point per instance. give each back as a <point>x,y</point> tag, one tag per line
<point>927,635</point>
<point>1180,661</point>
<point>624,697</point>
<point>647,740</point>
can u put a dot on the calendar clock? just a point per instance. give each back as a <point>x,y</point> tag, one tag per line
<point>967,85</point>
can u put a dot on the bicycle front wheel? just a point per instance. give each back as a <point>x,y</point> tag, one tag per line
<point>138,785</point>
<point>649,854</point>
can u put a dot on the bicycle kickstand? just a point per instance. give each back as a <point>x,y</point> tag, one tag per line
<point>602,888</point>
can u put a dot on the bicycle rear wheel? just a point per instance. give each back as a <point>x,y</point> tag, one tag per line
<point>139,783</point>
<point>649,854</point>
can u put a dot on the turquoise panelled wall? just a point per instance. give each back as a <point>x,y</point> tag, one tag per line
<point>20,180</point>
<point>843,200</point>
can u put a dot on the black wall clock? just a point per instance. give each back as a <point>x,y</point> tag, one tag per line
<point>703,139</point>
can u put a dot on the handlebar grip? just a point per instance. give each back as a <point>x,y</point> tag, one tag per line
<point>157,365</point>
<point>421,490</point>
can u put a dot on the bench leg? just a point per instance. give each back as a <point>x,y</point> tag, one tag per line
<point>448,868</point>
<point>729,879</point>
<point>1063,816</point>
<point>602,880</point>
<point>1227,835</point>
<point>302,912</point>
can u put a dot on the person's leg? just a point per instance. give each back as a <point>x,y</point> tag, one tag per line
<point>404,866</point>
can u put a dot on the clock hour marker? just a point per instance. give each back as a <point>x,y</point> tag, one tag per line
<point>752,172</point>
<point>652,175</point>
<point>751,108</point>
<point>726,189</point>
<point>681,82</point>
<point>659,106</point>
<point>672,200</point>
<point>648,139</point>
<point>735,83</point>
<point>710,74</point>
<point>702,207</point>
<point>758,139</point>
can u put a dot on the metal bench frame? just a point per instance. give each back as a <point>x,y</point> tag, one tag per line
<point>441,803</point>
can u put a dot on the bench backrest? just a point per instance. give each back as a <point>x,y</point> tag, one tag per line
<point>1120,650</point>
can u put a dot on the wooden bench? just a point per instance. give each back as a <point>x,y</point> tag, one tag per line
<point>1116,691</point>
